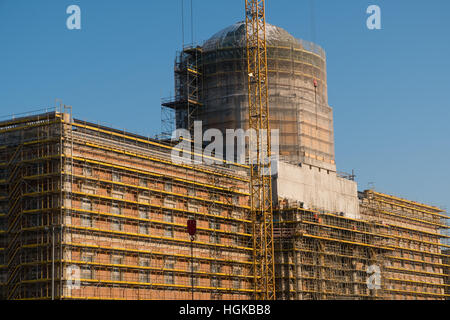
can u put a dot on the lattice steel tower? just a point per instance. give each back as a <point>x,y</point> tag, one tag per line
<point>260,180</point>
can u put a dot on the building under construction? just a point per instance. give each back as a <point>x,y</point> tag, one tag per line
<point>91,212</point>
<point>322,255</point>
<point>77,196</point>
<point>114,205</point>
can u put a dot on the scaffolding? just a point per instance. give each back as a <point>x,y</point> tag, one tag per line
<point>217,85</point>
<point>181,111</point>
<point>79,195</point>
<point>298,109</point>
<point>322,256</point>
<point>29,167</point>
<point>416,268</point>
<point>114,206</point>
<point>446,270</point>
<point>326,256</point>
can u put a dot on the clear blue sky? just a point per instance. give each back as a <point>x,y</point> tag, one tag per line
<point>389,88</point>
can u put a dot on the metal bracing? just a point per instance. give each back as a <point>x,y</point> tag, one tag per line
<point>181,111</point>
<point>328,255</point>
<point>32,182</point>
<point>108,136</point>
<point>119,205</point>
<point>67,179</point>
<point>415,266</point>
<point>260,168</point>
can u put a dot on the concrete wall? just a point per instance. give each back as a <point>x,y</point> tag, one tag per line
<point>316,188</point>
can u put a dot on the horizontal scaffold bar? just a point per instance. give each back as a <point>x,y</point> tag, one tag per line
<point>157,191</point>
<point>149,142</point>
<point>170,163</point>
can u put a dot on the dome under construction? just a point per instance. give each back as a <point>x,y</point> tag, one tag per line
<point>298,104</point>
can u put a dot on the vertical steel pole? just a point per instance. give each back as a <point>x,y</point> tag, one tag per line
<point>53,263</point>
<point>192,266</point>
<point>260,171</point>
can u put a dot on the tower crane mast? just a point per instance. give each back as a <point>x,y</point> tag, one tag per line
<point>260,164</point>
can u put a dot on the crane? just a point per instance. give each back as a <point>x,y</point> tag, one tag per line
<point>260,168</point>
